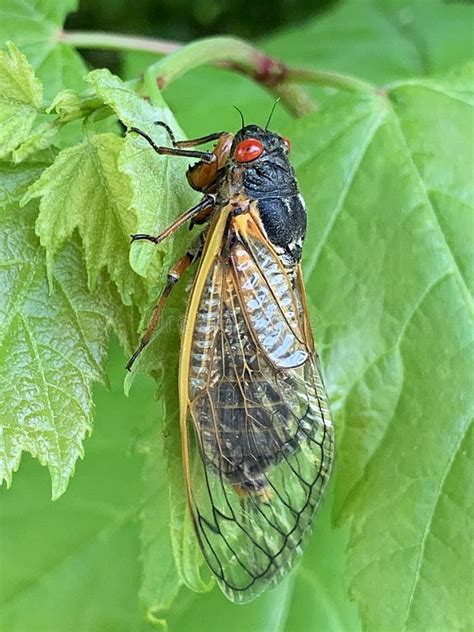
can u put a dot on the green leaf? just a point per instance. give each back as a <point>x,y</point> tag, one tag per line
<point>20,97</point>
<point>348,297</point>
<point>34,27</point>
<point>386,258</point>
<point>371,169</point>
<point>382,40</point>
<point>84,189</point>
<point>52,344</point>
<point>311,598</point>
<point>267,614</point>
<point>161,582</point>
<point>74,564</point>
<point>159,194</point>
<point>15,180</point>
<point>160,190</point>
<point>42,137</point>
<point>69,106</point>
<point>162,357</point>
<point>187,554</point>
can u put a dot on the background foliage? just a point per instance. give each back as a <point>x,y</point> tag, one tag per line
<point>387,178</point>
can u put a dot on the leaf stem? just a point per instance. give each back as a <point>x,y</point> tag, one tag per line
<point>224,52</point>
<point>101,40</point>
<point>152,90</point>
<point>329,79</point>
<point>239,56</point>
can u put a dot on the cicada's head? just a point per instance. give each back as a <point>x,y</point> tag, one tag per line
<point>261,157</point>
<point>253,143</point>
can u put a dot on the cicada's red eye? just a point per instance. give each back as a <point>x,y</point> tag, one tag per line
<point>248,150</point>
<point>287,142</point>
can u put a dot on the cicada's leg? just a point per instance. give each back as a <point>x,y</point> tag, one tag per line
<point>189,143</point>
<point>206,156</point>
<point>207,201</point>
<point>174,275</point>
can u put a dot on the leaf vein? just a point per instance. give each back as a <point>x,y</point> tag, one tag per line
<point>46,399</point>
<point>462,282</point>
<point>438,496</point>
<point>345,191</point>
<point>82,334</point>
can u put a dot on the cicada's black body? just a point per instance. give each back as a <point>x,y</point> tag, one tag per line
<point>271,182</point>
<point>256,428</point>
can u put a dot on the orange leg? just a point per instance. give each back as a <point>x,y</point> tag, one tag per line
<point>174,275</point>
<point>207,201</point>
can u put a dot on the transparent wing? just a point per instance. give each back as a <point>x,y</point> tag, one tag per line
<point>260,439</point>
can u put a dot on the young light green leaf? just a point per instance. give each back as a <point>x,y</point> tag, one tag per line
<point>84,189</point>
<point>389,180</point>
<point>160,194</point>
<point>20,97</point>
<point>52,348</point>
<point>40,138</point>
<point>69,106</point>
<point>160,190</point>
<point>73,196</point>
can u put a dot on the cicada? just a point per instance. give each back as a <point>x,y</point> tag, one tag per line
<point>256,431</point>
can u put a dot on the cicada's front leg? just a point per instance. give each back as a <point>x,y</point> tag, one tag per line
<point>177,149</point>
<point>203,174</point>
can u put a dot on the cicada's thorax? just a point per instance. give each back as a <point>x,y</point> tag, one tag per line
<point>281,207</point>
<point>270,181</point>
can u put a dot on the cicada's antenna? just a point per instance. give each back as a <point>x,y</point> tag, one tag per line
<point>241,115</point>
<point>271,113</point>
